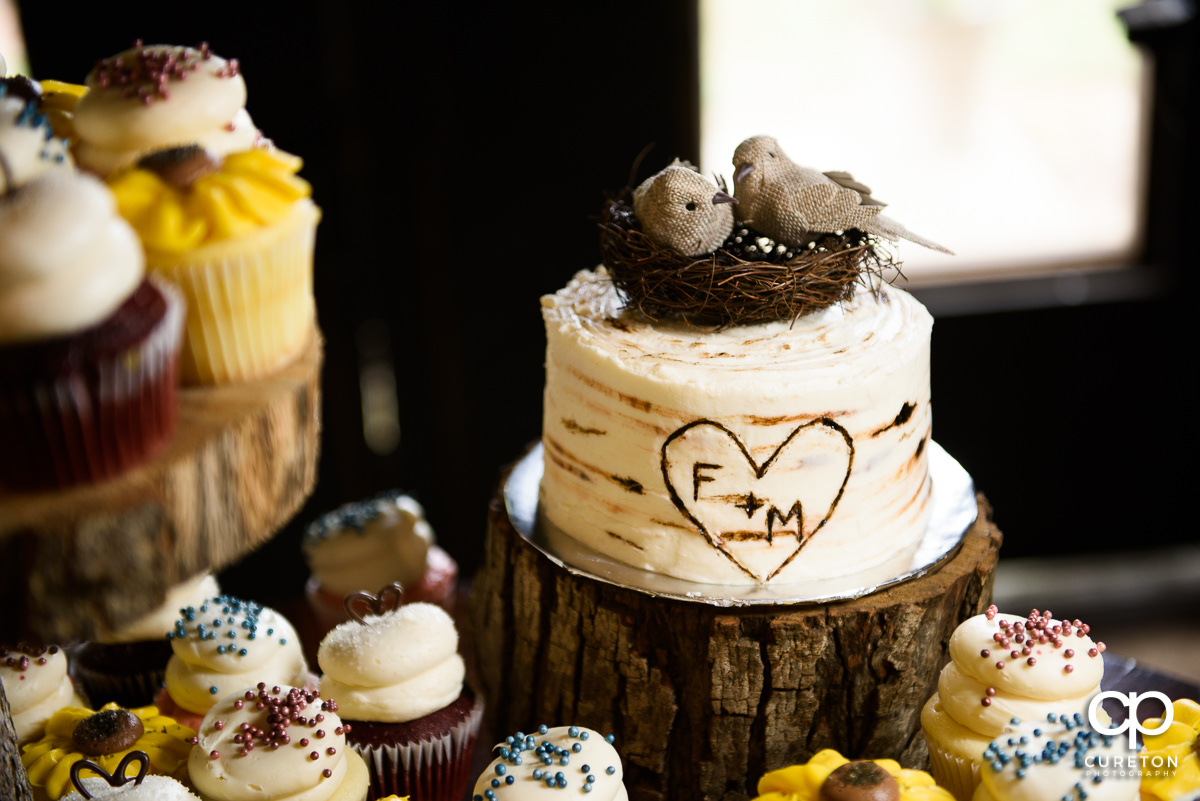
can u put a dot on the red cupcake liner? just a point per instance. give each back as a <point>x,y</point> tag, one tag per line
<point>88,420</point>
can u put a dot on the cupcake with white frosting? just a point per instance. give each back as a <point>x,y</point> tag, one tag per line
<point>126,662</point>
<point>1069,765</point>
<point>153,97</point>
<point>269,743</point>
<point>222,646</point>
<point>1008,676</point>
<point>399,682</point>
<point>564,758</point>
<point>88,344</point>
<point>36,684</point>
<point>362,546</point>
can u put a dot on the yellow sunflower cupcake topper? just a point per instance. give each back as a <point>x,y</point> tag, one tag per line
<point>829,776</point>
<point>1171,760</point>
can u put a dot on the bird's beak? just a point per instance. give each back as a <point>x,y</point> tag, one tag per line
<point>722,197</point>
<point>742,171</point>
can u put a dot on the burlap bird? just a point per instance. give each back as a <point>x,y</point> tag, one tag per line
<point>790,203</point>
<point>681,209</point>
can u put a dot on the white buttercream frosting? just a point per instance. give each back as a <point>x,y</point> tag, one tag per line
<point>152,788</point>
<point>68,260</point>
<point>155,624</point>
<point>645,425</point>
<point>532,777</point>
<point>225,644</point>
<point>222,768</point>
<point>37,685</point>
<point>1054,683</point>
<point>1028,772</point>
<point>366,546</point>
<point>128,112</point>
<point>28,147</point>
<point>394,667</point>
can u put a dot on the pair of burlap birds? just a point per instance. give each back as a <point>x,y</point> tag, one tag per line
<point>680,208</point>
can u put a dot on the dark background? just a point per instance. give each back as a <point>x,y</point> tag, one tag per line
<point>459,152</point>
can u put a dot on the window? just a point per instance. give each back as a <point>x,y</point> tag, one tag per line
<point>1009,130</point>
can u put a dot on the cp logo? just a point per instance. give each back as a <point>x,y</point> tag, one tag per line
<point>1131,723</point>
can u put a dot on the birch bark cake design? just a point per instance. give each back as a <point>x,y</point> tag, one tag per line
<point>754,414</point>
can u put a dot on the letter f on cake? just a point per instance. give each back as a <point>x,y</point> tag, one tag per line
<point>757,518</point>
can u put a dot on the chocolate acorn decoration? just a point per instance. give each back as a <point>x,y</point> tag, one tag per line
<point>117,779</point>
<point>180,166</point>
<point>860,781</point>
<point>107,732</point>
<point>386,600</point>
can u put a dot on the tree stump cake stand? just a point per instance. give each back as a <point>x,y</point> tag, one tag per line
<point>703,700</point>
<point>240,464</point>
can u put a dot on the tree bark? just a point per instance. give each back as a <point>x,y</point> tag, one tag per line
<point>241,462</point>
<point>705,700</point>
<point>14,784</point>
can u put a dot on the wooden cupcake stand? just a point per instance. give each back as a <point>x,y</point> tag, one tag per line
<point>241,463</point>
<point>704,699</point>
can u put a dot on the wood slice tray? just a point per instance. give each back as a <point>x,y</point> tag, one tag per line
<point>241,463</point>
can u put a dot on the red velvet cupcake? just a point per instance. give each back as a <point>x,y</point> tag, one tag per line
<point>399,681</point>
<point>88,345</point>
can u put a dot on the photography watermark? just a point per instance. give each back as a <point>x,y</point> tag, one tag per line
<point>1134,764</point>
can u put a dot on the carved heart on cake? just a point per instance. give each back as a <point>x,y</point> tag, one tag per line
<point>758,515</point>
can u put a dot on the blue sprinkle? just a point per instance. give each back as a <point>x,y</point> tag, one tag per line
<point>610,739</point>
<point>213,690</point>
<point>501,770</point>
<point>583,735</point>
<point>242,652</point>
<point>543,729</point>
<point>610,770</point>
<point>1015,721</point>
<point>509,779</point>
<point>537,773</point>
<point>1020,773</point>
<point>590,779</point>
<point>576,748</point>
<point>573,731</point>
<point>495,782</point>
<point>564,760</point>
<point>283,641</point>
<point>586,769</point>
<point>587,788</point>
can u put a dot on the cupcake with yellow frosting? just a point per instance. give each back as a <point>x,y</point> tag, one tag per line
<point>235,233</point>
<point>105,737</point>
<point>272,743</point>
<point>1171,760</point>
<point>399,683</point>
<point>829,776</point>
<point>88,344</point>
<point>1008,676</point>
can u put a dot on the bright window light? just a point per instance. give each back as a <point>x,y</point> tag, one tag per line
<point>1009,130</point>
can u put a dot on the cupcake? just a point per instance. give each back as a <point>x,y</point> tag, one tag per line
<point>223,645</point>
<point>105,737</point>
<point>127,664</point>
<point>369,544</point>
<point>235,233</point>
<point>829,776</point>
<point>120,785</point>
<point>398,680</point>
<point>1069,766</point>
<point>1007,675</point>
<point>36,684</point>
<point>571,758</point>
<point>1171,759</point>
<point>155,97</point>
<point>88,345</point>
<point>271,743</point>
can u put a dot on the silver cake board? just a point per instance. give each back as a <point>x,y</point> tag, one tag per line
<point>953,511</point>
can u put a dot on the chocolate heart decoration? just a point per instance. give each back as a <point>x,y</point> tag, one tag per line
<point>387,599</point>
<point>118,779</point>
<point>738,504</point>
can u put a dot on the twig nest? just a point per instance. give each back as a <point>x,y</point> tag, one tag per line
<point>748,279</point>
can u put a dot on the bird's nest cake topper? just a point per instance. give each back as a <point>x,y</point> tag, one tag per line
<point>790,240</point>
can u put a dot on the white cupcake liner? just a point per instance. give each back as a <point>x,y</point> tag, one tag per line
<point>438,769</point>
<point>250,303</point>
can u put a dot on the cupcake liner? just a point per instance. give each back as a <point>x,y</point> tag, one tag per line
<point>959,776</point>
<point>250,301</point>
<point>434,769</point>
<point>92,421</point>
<point>132,685</point>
